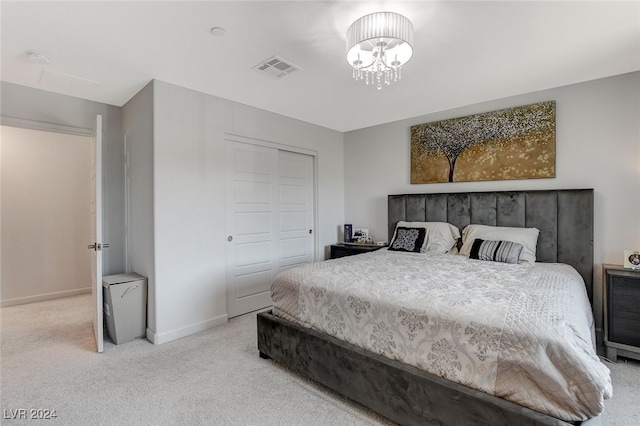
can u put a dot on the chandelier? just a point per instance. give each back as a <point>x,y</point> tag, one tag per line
<point>378,45</point>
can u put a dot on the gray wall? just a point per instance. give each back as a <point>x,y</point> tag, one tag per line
<point>189,182</point>
<point>597,146</point>
<point>598,134</point>
<point>23,103</point>
<point>137,122</point>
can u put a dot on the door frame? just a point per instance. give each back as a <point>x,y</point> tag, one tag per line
<point>47,127</point>
<point>69,130</point>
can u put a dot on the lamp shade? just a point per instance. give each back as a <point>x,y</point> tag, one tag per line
<point>380,36</point>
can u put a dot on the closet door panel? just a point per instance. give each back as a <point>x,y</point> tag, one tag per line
<point>295,181</point>
<point>251,226</point>
<point>269,220</point>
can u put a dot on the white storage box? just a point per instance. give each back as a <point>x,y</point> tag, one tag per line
<point>125,306</point>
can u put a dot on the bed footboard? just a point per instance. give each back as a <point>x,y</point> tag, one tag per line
<point>395,390</point>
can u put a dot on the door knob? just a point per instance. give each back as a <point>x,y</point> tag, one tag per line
<point>229,238</point>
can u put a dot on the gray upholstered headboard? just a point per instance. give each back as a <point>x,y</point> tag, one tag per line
<point>564,218</point>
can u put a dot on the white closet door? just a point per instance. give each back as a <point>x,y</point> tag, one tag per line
<point>295,182</point>
<point>251,224</point>
<point>269,220</point>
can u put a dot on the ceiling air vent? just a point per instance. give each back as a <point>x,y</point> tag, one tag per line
<point>59,81</point>
<point>276,67</point>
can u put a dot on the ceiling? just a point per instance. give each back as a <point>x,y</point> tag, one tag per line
<point>464,52</point>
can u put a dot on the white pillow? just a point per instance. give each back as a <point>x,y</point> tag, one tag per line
<point>440,237</point>
<point>528,237</point>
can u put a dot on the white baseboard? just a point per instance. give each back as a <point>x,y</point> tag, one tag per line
<point>42,297</point>
<point>160,338</point>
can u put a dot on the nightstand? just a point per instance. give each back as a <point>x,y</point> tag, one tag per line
<point>621,311</point>
<point>342,250</point>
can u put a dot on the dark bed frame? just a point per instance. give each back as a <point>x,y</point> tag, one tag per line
<point>404,393</point>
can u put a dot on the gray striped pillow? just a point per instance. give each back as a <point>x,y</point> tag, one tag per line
<point>497,251</point>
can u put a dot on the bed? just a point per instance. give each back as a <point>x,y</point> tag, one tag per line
<point>401,386</point>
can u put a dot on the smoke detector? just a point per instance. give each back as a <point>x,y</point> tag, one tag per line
<point>276,67</point>
<point>38,57</point>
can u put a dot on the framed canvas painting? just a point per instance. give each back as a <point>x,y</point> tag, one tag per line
<point>514,143</point>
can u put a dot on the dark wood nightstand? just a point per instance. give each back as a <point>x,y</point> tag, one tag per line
<point>342,250</point>
<point>621,311</point>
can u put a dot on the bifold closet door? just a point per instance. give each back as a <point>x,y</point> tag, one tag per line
<point>269,217</point>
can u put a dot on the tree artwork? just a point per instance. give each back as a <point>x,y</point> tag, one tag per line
<point>514,143</point>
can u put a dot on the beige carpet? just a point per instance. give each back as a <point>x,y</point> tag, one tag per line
<point>215,377</point>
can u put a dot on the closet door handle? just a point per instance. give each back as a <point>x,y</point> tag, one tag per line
<point>229,238</point>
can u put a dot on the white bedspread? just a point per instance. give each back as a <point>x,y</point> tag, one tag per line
<point>520,332</point>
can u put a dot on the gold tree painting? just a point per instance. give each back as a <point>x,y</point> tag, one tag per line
<point>514,143</point>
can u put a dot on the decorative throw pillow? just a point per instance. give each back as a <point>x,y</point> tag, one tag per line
<point>408,239</point>
<point>528,237</point>
<point>440,237</point>
<point>497,251</point>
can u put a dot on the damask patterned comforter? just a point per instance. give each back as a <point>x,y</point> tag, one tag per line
<point>520,332</point>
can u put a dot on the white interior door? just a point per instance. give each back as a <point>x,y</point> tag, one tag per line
<point>269,220</point>
<point>96,235</point>
<point>295,200</point>
<point>251,226</point>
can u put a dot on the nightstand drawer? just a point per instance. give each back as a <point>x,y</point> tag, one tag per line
<point>624,328</point>
<point>624,293</point>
